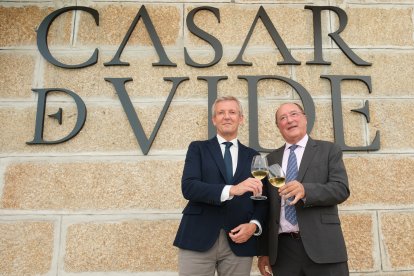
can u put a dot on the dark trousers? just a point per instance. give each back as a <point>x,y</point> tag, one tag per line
<point>292,260</point>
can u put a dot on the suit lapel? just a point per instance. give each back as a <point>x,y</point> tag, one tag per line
<point>310,151</point>
<point>215,150</point>
<point>243,157</point>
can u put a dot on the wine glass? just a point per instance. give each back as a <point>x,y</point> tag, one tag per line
<point>277,178</point>
<point>276,175</point>
<point>259,170</point>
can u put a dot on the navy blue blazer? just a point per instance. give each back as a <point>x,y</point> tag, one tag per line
<point>205,215</point>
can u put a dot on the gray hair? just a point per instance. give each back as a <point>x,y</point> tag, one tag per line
<point>226,98</point>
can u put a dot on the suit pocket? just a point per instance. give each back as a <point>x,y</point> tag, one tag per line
<point>330,219</point>
<point>192,210</point>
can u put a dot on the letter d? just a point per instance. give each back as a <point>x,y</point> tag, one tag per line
<point>40,116</point>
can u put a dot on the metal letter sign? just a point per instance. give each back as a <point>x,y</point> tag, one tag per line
<point>214,42</point>
<point>43,30</point>
<point>252,81</point>
<point>289,60</point>
<point>142,13</point>
<point>40,116</point>
<point>144,142</point>
<point>337,111</point>
<point>212,81</point>
<point>317,37</point>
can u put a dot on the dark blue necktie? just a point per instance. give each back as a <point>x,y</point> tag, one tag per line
<point>228,162</point>
<point>291,174</point>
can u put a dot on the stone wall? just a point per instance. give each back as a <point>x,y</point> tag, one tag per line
<point>96,204</point>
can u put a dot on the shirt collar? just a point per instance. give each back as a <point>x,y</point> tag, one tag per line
<point>301,143</point>
<point>234,141</point>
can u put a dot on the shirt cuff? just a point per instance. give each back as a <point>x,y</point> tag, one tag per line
<point>225,193</point>
<point>259,227</point>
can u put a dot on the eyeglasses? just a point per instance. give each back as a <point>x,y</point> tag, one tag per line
<point>293,115</point>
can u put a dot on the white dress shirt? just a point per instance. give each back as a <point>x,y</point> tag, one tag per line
<point>225,193</point>
<point>284,225</point>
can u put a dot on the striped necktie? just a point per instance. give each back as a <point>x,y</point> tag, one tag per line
<point>291,174</point>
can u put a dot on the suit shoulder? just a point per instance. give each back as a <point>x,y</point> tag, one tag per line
<point>198,143</point>
<point>276,151</point>
<point>327,145</point>
<point>249,149</point>
<point>275,155</point>
<point>324,143</point>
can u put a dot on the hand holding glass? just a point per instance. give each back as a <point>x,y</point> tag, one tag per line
<point>259,170</point>
<point>277,177</point>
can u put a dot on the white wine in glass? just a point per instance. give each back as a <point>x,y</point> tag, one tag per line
<point>276,175</point>
<point>259,171</point>
<point>277,178</point>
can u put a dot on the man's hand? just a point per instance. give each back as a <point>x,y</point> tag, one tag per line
<point>292,189</point>
<point>243,232</point>
<point>249,185</point>
<point>264,265</point>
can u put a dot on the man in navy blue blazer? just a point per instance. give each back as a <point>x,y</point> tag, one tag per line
<point>221,222</point>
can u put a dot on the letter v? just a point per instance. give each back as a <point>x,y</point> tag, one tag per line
<point>144,142</point>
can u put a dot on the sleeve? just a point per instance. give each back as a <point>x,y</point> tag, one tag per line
<point>193,184</point>
<point>328,184</point>
<point>225,194</point>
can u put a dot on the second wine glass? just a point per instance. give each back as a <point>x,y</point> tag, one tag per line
<point>259,170</point>
<point>276,175</point>
<point>277,178</point>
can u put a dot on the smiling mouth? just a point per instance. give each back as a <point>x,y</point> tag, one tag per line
<point>291,127</point>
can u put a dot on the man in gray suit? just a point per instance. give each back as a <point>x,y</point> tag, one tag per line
<point>303,234</point>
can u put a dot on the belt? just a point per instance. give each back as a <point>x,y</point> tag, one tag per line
<point>293,235</point>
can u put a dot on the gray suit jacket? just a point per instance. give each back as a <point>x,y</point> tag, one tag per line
<point>323,175</point>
